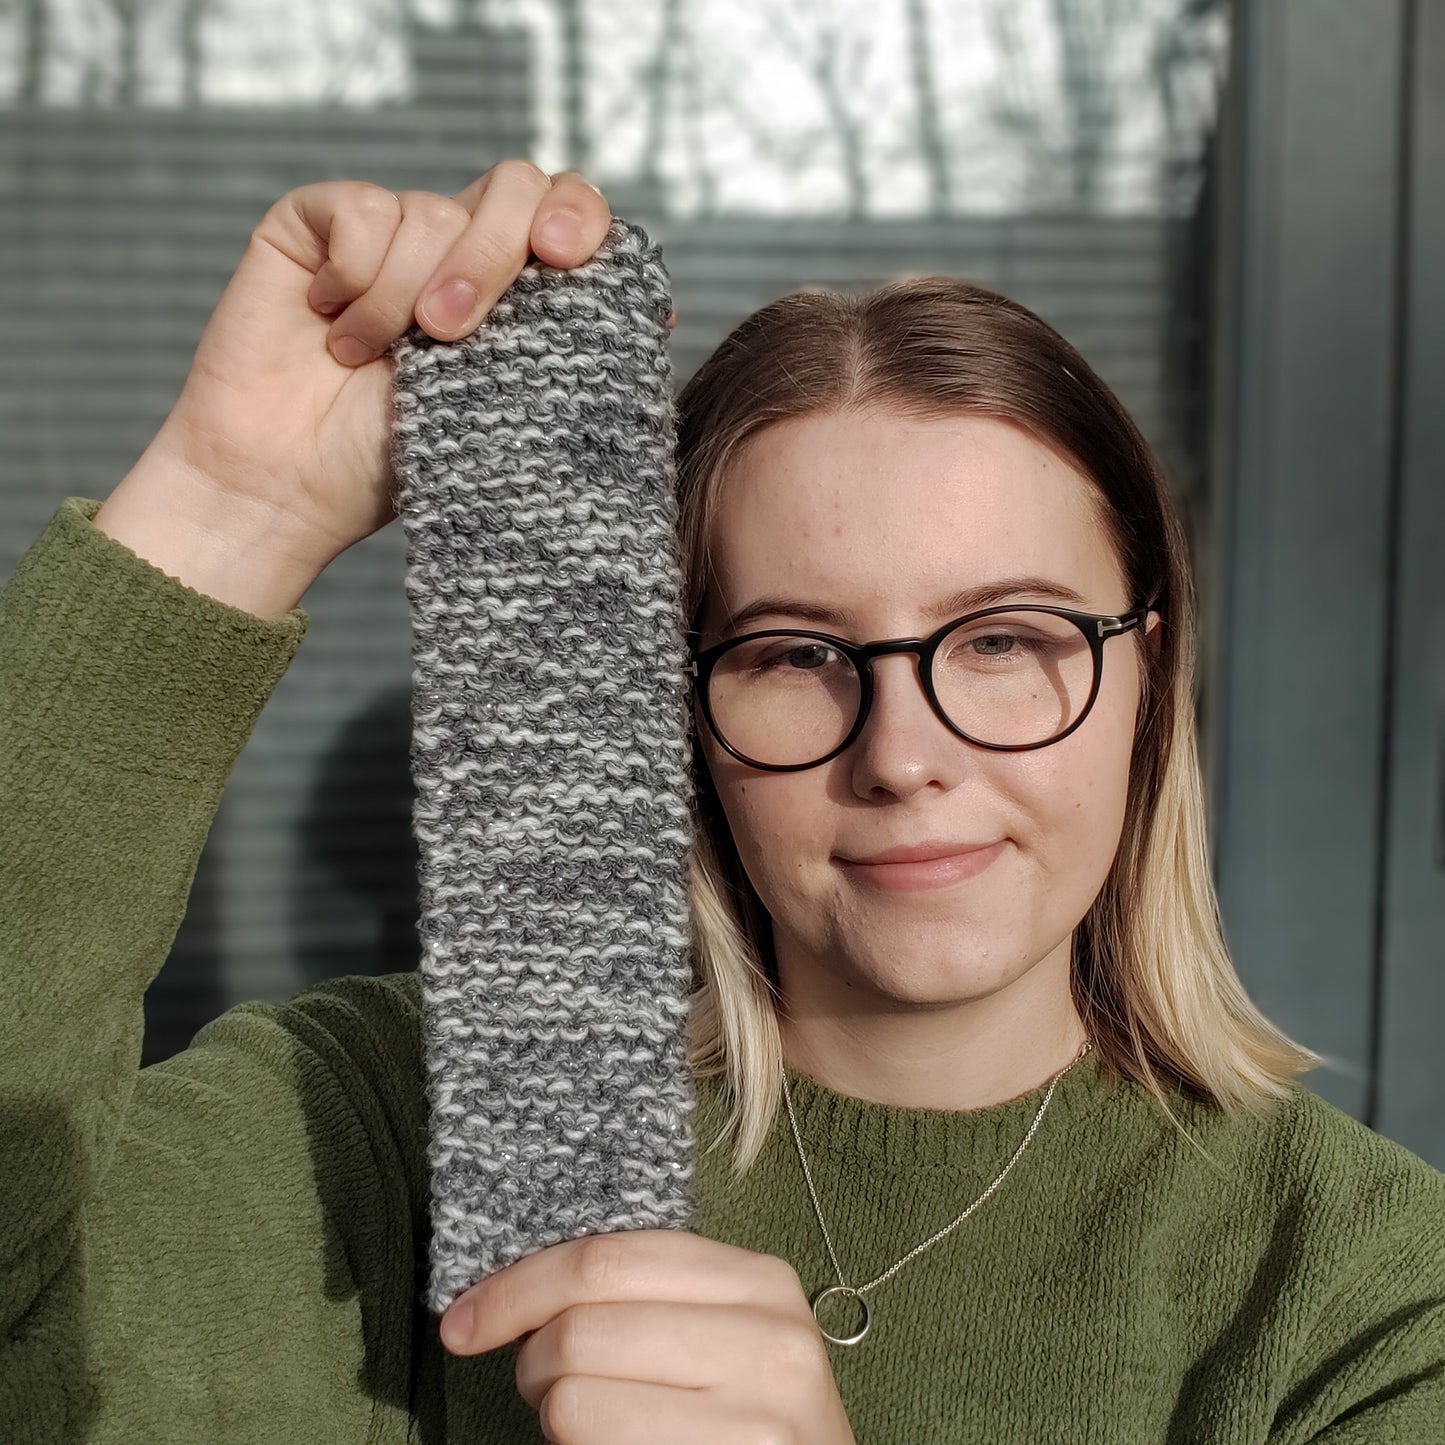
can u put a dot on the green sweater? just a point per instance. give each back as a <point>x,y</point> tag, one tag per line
<point>230,1246</point>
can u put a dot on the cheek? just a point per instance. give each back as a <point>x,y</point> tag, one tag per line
<point>1088,782</point>
<point>769,815</point>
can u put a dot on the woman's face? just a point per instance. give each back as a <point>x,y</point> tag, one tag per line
<point>876,519</point>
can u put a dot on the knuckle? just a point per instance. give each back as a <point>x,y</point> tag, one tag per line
<point>524,173</point>
<point>563,1411</point>
<point>575,178</point>
<point>371,202</point>
<point>291,200</point>
<point>575,1335</point>
<point>773,1432</point>
<point>778,1276</point>
<point>580,190</point>
<point>601,1263</point>
<point>440,213</point>
<point>796,1348</point>
<point>767,1429</point>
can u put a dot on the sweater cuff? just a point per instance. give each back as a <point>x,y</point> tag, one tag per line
<point>169,678</point>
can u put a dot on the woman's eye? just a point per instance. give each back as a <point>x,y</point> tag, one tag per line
<point>1011,647</point>
<point>994,644</point>
<point>805,658</point>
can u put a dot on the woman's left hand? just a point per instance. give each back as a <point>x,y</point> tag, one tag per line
<point>657,1334</point>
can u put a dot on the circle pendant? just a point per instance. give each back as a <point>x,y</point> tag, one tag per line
<point>848,1289</point>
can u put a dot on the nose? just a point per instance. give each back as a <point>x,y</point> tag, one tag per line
<point>904,746</point>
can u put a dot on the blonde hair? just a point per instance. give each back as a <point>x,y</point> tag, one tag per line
<point>1152,979</point>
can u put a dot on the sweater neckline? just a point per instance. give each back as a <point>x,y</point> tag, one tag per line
<point>844,1126</point>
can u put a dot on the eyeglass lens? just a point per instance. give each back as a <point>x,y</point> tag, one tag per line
<point>1009,679</point>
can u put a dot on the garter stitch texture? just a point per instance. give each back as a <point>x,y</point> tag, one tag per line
<point>550,760</point>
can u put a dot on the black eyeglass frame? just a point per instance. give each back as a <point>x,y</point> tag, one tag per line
<point>1096,628</point>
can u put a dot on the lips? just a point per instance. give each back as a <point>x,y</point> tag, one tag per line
<point>919,852</point>
<point>895,871</point>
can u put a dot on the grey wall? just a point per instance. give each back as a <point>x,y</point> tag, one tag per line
<point>1410,1078</point>
<point>1325,718</point>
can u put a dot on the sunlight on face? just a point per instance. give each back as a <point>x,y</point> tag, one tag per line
<point>876,517</point>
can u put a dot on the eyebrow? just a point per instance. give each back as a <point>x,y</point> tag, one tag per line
<point>966,599</point>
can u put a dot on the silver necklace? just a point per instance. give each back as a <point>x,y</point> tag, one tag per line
<point>858,1291</point>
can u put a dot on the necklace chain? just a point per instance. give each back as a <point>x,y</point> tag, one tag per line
<point>858,1291</point>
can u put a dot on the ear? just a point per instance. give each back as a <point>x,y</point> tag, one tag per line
<point>1154,631</point>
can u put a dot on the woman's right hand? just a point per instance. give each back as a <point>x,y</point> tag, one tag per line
<point>276,457</point>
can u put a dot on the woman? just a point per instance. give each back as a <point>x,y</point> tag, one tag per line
<point>967,1038</point>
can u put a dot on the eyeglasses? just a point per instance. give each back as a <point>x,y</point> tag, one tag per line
<point>1006,678</point>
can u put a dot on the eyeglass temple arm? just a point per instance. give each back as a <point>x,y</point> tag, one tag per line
<point>1127,623</point>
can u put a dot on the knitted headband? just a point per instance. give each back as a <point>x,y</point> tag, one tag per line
<point>550,762</point>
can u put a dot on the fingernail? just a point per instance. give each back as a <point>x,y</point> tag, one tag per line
<point>450,306</point>
<point>457,1326</point>
<point>562,229</point>
<point>352,351</point>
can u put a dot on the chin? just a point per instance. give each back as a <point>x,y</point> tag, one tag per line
<point>931,982</point>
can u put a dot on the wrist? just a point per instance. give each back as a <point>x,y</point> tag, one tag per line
<point>243,553</point>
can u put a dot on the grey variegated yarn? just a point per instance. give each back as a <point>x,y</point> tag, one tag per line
<point>550,760</point>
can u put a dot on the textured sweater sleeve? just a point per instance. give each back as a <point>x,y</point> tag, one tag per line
<point>1367,1236</point>
<point>1385,1382</point>
<point>1413,1416</point>
<point>184,1249</point>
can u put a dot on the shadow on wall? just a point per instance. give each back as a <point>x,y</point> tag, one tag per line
<point>354,905</point>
